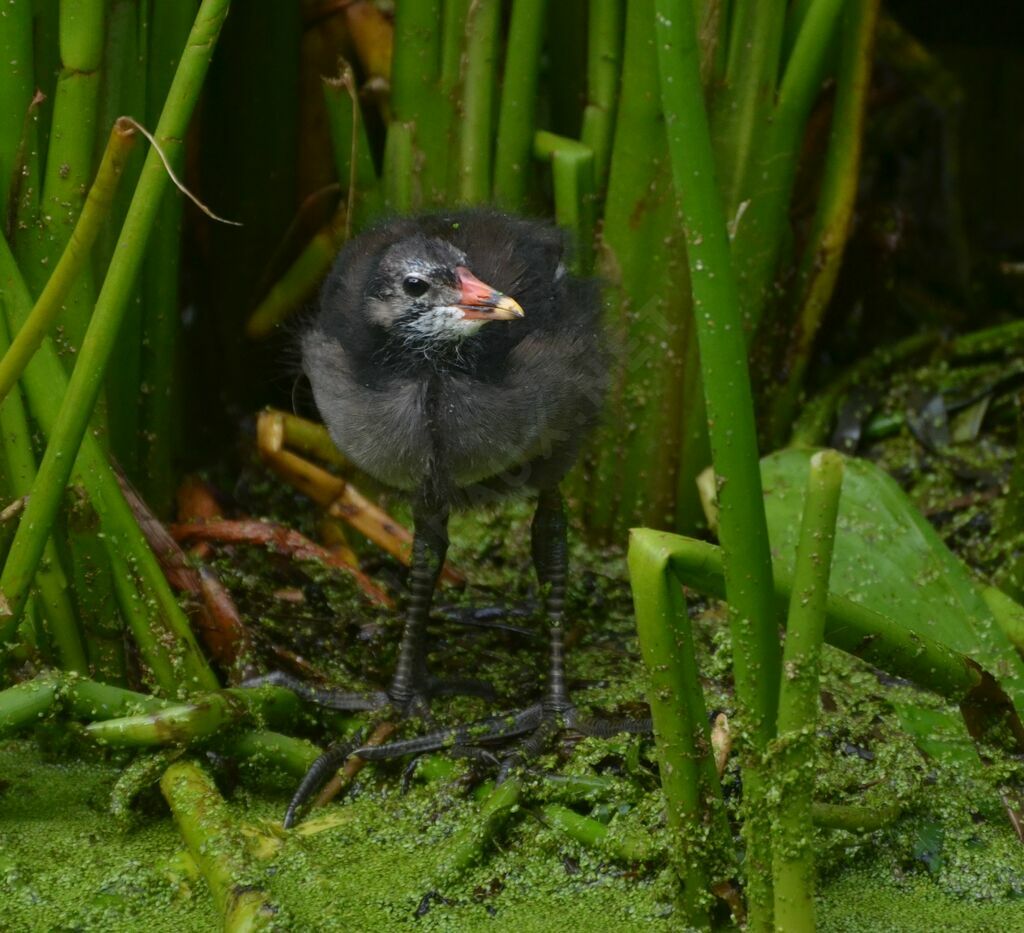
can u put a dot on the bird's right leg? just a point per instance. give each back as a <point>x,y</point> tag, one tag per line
<point>411,686</point>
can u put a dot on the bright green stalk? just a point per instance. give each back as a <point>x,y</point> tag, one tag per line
<point>476,136</point>
<point>605,26</point>
<point>631,847</point>
<point>45,382</point>
<point>415,73</point>
<point>1008,613</point>
<point>655,400</point>
<point>796,745</point>
<point>685,764</point>
<point>518,103</point>
<point>185,724</point>
<point>849,626</point>
<point>87,378</point>
<point>760,232</point>
<point>16,90</point>
<point>73,260</point>
<point>824,254</point>
<point>69,158</point>
<point>353,158</point>
<point>398,167</point>
<point>467,845</point>
<point>742,105</point>
<point>160,277</point>
<point>572,168</point>
<point>203,820</point>
<point>86,699</point>
<point>19,471</point>
<point>274,750</point>
<point>742,527</point>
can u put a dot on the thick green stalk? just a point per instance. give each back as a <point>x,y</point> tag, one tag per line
<point>823,255</point>
<point>853,819</point>
<point>87,378</point>
<point>203,819</point>
<point>45,381</point>
<point>18,472</point>
<point>73,260</point>
<point>467,845</point>
<point>69,157</point>
<point>759,233</point>
<point>273,750</point>
<point>516,119</point>
<point>685,763</point>
<point>742,526</point>
<point>605,27</point>
<point>193,722</point>
<point>624,847</point>
<point>123,94</point>
<point>353,158</point>
<point>795,748</point>
<point>849,626</point>
<point>572,169</point>
<point>479,82</point>
<point>415,74</point>
<point>654,399</point>
<point>26,703</point>
<point>161,300</point>
<point>398,167</point>
<point>743,104</point>
<point>16,90</point>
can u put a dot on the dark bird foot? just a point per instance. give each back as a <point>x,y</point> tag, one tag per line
<point>535,728</point>
<point>411,704</point>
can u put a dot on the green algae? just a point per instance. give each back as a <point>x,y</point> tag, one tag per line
<point>370,861</point>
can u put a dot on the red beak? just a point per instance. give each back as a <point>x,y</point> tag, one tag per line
<point>480,302</point>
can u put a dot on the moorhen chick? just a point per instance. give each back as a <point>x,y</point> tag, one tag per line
<point>453,357</point>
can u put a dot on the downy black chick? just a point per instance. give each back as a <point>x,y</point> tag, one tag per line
<point>455,358</point>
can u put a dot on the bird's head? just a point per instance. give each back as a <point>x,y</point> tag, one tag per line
<point>424,292</point>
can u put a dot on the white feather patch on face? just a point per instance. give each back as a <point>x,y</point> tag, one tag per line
<point>443,322</point>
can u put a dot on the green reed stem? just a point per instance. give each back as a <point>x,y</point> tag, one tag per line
<point>758,235</point>
<point>87,379</point>
<point>517,117</point>
<point>465,848</point>
<point>685,764</point>
<point>45,381</point>
<point>161,272</point>
<point>742,526</point>
<point>795,748</point>
<point>605,25</point>
<point>823,255</point>
<point>16,90</point>
<point>51,580</point>
<point>572,169</point>
<point>476,137</point>
<point>849,626</point>
<point>622,847</point>
<point>205,823</point>
<point>73,260</point>
<point>743,103</point>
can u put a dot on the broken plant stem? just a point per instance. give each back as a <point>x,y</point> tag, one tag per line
<point>203,819</point>
<point>794,750</point>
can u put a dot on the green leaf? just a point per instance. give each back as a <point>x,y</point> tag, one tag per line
<point>890,560</point>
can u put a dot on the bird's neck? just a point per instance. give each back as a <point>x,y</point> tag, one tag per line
<point>408,351</point>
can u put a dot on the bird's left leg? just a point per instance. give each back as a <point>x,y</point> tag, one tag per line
<point>538,725</point>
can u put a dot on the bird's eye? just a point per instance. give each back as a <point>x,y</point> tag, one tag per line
<point>414,286</point>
